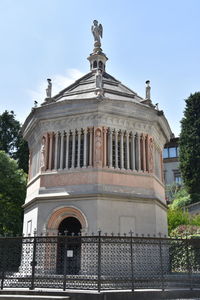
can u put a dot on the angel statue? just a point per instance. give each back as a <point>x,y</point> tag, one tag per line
<point>97,31</point>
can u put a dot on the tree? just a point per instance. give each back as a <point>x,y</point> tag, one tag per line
<point>9,131</point>
<point>190,146</point>
<point>11,140</point>
<point>12,195</point>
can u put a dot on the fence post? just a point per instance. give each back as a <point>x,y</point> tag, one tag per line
<point>65,261</point>
<point>132,269</point>
<point>99,262</point>
<point>33,263</point>
<point>3,266</point>
<point>161,263</point>
<point>188,262</point>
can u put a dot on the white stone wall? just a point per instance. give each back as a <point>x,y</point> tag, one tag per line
<point>142,216</point>
<point>30,221</point>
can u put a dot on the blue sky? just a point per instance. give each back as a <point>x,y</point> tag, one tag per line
<point>155,40</point>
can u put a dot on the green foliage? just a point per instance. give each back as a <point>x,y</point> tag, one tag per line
<point>177,217</point>
<point>11,140</point>
<point>190,146</point>
<point>22,153</point>
<point>180,221</point>
<point>171,190</point>
<point>195,221</point>
<point>188,231</point>
<point>12,195</point>
<point>184,253</point>
<point>9,131</point>
<point>181,198</point>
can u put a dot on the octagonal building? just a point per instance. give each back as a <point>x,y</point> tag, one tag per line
<point>96,158</point>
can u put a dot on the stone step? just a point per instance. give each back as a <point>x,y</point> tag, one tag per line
<point>32,297</point>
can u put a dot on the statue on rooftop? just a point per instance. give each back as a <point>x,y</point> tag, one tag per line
<point>99,84</point>
<point>49,88</point>
<point>97,31</point>
<point>148,90</point>
<point>99,79</point>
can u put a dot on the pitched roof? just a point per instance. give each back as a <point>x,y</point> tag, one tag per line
<point>85,88</point>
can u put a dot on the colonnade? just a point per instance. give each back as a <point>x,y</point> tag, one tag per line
<point>104,147</point>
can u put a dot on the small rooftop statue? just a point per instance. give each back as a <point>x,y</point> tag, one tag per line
<point>49,98</point>
<point>49,88</point>
<point>148,90</point>
<point>148,94</point>
<point>99,84</point>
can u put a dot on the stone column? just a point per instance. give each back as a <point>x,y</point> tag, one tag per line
<point>147,152</point>
<point>127,151</point>
<point>143,152</point>
<point>116,149</point>
<point>30,165</point>
<point>90,152</point>
<point>151,154</point>
<point>67,150</point>
<point>122,149</point>
<point>46,156</point>
<point>79,131</point>
<point>110,134</point>
<point>161,167</point>
<point>73,147</point>
<point>85,148</point>
<point>138,153</point>
<point>56,152</point>
<point>62,134</point>
<point>133,150</point>
<point>105,147</point>
<point>51,134</point>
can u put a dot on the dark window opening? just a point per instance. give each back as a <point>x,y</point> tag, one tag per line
<point>95,64</point>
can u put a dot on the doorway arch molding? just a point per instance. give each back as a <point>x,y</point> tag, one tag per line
<point>61,213</point>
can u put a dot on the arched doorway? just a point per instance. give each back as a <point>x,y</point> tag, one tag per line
<point>69,226</point>
<point>69,246</point>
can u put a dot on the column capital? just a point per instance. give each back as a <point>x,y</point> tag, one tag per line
<point>110,130</point>
<point>105,129</point>
<point>66,132</point>
<point>117,131</point>
<point>133,133</point>
<point>85,130</point>
<point>143,136</point>
<point>91,129</point>
<point>127,132</point>
<point>56,133</point>
<point>73,131</point>
<point>52,133</point>
<point>138,134</point>
<point>79,131</point>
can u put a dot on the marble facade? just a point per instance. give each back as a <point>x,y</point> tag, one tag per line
<point>96,155</point>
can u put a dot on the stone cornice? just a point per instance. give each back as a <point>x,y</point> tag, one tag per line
<point>96,196</point>
<point>126,115</point>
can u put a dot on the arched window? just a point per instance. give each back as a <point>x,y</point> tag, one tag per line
<point>100,65</point>
<point>95,64</point>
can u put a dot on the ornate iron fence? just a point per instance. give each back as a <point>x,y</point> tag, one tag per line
<point>99,262</point>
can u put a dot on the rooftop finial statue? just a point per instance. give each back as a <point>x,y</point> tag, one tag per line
<point>97,31</point>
